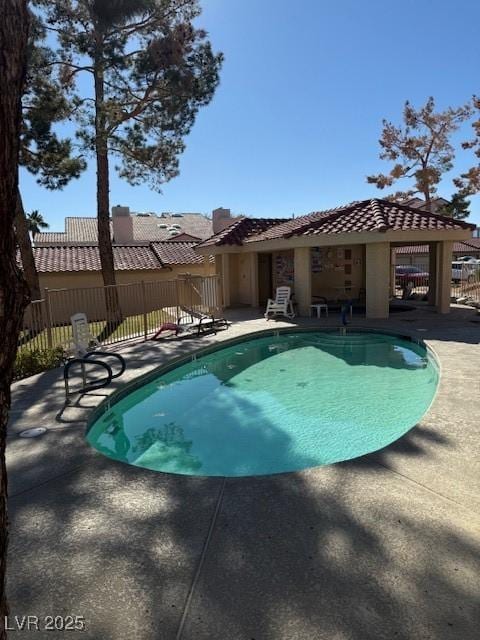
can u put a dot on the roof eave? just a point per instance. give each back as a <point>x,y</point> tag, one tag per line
<point>346,238</point>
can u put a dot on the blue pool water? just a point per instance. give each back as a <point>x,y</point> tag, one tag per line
<point>272,404</point>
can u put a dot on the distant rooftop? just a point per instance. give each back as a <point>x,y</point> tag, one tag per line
<point>147,227</point>
<point>466,247</point>
<point>436,204</point>
<point>154,255</point>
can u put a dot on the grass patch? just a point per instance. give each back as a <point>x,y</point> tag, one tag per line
<point>131,327</point>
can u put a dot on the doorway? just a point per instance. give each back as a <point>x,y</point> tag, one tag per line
<point>264,278</point>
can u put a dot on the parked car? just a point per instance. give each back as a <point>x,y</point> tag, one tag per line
<point>468,259</point>
<point>408,275</point>
<point>465,271</point>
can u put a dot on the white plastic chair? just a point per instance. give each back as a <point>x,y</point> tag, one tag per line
<point>282,305</point>
<point>83,340</point>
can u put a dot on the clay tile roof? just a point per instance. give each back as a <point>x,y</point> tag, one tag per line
<point>191,224</point>
<point>146,228</point>
<point>171,252</point>
<point>367,215</point>
<point>292,227</point>
<point>52,237</point>
<point>131,257</point>
<point>414,248</point>
<point>184,237</point>
<point>79,231</point>
<point>466,247</point>
<point>87,258</point>
<point>473,242</point>
<point>241,229</point>
<point>82,229</point>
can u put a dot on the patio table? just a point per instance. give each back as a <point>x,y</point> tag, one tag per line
<point>319,307</point>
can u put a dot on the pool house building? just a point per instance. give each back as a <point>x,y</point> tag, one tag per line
<point>342,253</point>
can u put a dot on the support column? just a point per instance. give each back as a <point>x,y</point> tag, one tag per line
<point>432,273</point>
<point>226,279</point>
<point>377,279</point>
<point>444,276</point>
<point>303,280</point>
<point>393,262</point>
<point>253,257</point>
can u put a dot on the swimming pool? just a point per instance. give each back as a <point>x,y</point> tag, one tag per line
<point>272,404</point>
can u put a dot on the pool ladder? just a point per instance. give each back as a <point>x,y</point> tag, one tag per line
<point>92,358</point>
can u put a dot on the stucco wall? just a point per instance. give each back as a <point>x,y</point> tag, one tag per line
<point>232,275</point>
<point>76,279</point>
<point>332,269</point>
<point>85,291</point>
<point>336,270</point>
<point>244,279</point>
<point>377,279</point>
<point>240,279</point>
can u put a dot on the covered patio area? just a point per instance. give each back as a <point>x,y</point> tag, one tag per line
<point>343,254</point>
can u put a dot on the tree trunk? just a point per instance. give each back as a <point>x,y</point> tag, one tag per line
<point>26,251</point>
<point>13,289</point>
<point>428,200</point>
<point>114,316</point>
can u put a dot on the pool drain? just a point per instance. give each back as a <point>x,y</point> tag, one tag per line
<point>34,432</point>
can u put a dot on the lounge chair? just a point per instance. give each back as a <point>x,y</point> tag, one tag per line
<point>282,305</point>
<point>192,322</point>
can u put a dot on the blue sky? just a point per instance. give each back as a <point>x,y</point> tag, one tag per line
<point>295,122</point>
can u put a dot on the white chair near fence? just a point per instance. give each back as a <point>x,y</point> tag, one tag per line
<point>82,353</point>
<point>83,340</point>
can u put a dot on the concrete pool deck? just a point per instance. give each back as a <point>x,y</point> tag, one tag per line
<point>386,546</point>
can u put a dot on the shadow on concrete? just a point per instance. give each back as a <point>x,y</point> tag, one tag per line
<point>342,551</point>
<point>338,556</point>
<point>347,551</point>
<point>419,441</point>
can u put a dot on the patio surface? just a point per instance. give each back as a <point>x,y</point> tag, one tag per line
<point>383,547</point>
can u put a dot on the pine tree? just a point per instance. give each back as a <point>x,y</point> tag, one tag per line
<point>469,182</point>
<point>151,70</point>
<point>42,152</point>
<point>457,208</point>
<point>420,149</point>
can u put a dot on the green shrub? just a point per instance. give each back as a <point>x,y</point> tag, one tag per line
<point>28,362</point>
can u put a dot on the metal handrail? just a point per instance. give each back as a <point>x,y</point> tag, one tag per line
<point>91,386</point>
<point>123,365</point>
